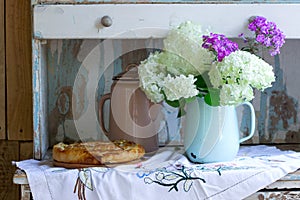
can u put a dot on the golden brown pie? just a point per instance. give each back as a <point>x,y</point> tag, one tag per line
<point>97,152</point>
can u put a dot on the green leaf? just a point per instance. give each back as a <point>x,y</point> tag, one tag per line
<point>181,111</point>
<point>174,104</point>
<point>200,82</point>
<point>188,100</point>
<point>213,97</point>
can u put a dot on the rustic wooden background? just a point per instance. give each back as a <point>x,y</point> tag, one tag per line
<point>16,131</point>
<point>15,91</point>
<point>277,108</point>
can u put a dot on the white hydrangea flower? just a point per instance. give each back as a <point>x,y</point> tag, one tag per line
<point>235,94</point>
<point>185,41</point>
<point>179,87</point>
<point>171,73</point>
<point>242,67</point>
<point>151,75</point>
<point>176,65</point>
<point>238,74</point>
<point>259,73</point>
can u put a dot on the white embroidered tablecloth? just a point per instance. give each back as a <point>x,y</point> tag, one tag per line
<point>166,175</point>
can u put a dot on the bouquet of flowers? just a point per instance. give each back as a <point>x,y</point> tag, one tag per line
<point>196,63</point>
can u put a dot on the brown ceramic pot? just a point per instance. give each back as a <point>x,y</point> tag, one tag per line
<point>132,116</point>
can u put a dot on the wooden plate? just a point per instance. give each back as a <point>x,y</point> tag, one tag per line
<point>74,165</point>
<point>77,166</point>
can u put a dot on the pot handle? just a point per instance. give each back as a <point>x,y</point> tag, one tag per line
<point>130,66</point>
<point>252,126</point>
<point>100,114</point>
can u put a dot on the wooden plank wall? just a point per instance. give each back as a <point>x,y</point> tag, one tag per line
<point>9,150</point>
<point>2,72</point>
<point>15,91</point>
<point>18,70</point>
<point>164,1</point>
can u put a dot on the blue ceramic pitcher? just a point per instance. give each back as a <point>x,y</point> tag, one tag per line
<point>211,133</point>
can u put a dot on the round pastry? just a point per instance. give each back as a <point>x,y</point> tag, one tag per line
<point>97,152</point>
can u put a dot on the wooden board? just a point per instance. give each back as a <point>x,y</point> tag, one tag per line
<point>9,151</point>
<point>18,70</point>
<point>40,94</point>
<point>2,72</point>
<point>160,1</point>
<point>137,21</point>
<point>26,150</point>
<point>292,147</point>
<point>268,195</point>
<point>73,165</point>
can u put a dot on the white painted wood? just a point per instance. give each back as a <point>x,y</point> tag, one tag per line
<point>39,87</point>
<point>284,185</point>
<point>275,195</point>
<point>20,177</point>
<point>154,20</point>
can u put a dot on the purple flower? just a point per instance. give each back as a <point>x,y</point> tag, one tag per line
<point>219,44</point>
<point>260,38</point>
<point>267,34</point>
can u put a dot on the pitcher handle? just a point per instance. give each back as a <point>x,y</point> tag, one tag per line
<point>100,114</point>
<point>252,126</point>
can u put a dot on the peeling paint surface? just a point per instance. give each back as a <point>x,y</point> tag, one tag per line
<point>62,69</point>
<point>41,140</point>
<point>277,109</point>
<point>284,195</point>
<point>68,88</point>
<point>284,111</point>
<point>36,99</point>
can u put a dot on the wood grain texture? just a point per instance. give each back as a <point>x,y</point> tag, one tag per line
<point>132,21</point>
<point>2,72</point>
<point>292,147</point>
<point>18,73</point>
<point>26,150</point>
<point>9,151</point>
<point>268,195</point>
<point>136,55</point>
<point>162,1</point>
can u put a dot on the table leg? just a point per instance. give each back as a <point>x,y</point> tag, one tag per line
<point>25,192</point>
